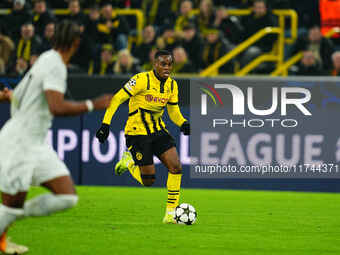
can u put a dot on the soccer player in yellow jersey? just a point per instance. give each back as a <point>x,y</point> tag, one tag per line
<point>146,134</point>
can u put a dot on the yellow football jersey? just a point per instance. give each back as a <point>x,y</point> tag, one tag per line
<point>148,98</point>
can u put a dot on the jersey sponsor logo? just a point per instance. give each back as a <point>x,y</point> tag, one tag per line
<point>151,98</point>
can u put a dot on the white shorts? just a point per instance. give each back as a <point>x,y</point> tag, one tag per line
<point>23,163</point>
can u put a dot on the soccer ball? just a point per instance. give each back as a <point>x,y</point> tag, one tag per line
<point>185,214</point>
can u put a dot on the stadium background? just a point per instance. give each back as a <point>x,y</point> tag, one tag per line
<point>111,52</point>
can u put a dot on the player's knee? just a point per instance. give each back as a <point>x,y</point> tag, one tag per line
<point>176,168</point>
<point>69,201</point>
<point>148,180</point>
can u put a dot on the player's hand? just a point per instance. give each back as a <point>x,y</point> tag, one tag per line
<point>103,133</point>
<point>185,128</point>
<point>102,102</point>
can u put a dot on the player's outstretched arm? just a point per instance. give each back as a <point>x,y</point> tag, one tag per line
<point>175,113</point>
<point>6,95</point>
<point>60,107</point>
<point>177,118</point>
<point>103,132</point>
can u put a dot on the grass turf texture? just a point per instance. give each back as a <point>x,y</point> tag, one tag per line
<point>116,220</point>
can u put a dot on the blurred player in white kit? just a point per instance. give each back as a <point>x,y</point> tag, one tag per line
<point>25,157</point>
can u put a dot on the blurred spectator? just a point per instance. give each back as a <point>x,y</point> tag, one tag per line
<point>336,63</point>
<point>193,44</point>
<point>126,64</point>
<point>149,65</point>
<point>142,51</point>
<point>112,28</point>
<point>229,25</point>
<point>167,40</point>
<point>257,20</point>
<point>214,48</point>
<point>48,37</point>
<point>308,66</point>
<point>91,22</point>
<point>41,16</point>
<point>28,45</point>
<point>206,17</point>
<point>6,48</point>
<point>185,16</point>
<point>92,19</point>
<point>321,47</point>
<point>33,59</point>
<point>104,65</point>
<point>181,62</point>
<point>21,67</point>
<point>75,14</point>
<point>260,18</point>
<point>81,59</point>
<point>18,16</point>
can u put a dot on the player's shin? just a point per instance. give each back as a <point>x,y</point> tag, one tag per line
<point>7,216</point>
<point>48,203</point>
<point>173,185</point>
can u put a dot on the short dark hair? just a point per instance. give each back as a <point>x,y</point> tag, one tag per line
<point>66,33</point>
<point>163,53</point>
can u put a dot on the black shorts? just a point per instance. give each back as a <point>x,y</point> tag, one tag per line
<point>143,147</point>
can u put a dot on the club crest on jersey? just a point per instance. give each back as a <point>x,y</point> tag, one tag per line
<point>151,98</point>
<point>139,156</point>
<point>130,84</point>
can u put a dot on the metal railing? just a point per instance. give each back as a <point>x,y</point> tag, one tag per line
<point>132,12</point>
<point>283,69</point>
<point>239,49</point>
<point>277,55</point>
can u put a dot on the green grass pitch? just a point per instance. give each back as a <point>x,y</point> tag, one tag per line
<point>119,220</point>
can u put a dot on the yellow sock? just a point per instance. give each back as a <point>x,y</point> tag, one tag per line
<point>173,185</point>
<point>135,172</point>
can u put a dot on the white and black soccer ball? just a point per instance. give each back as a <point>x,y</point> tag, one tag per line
<point>185,214</point>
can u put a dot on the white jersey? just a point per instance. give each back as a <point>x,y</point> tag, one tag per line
<point>29,109</point>
<point>25,157</point>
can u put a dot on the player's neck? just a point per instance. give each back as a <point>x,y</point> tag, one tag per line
<point>66,56</point>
